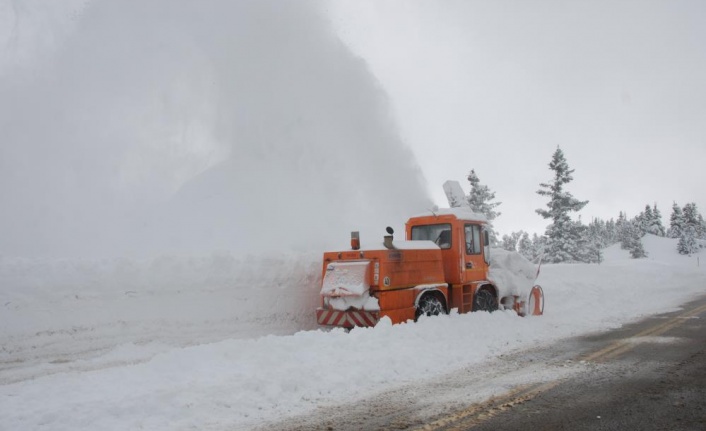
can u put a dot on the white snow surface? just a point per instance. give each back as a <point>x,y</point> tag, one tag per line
<point>345,283</point>
<point>462,213</point>
<point>511,273</point>
<point>345,279</point>
<point>224,342</point>
<point>397,244</point>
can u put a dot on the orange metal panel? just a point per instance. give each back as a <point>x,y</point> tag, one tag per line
<point>411,268</point>
<point>456,297</point>
<point>451,258</point>
<point>396,299</point>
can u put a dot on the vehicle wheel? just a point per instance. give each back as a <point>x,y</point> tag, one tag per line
<point>485,300</point>
<point>430,305</point>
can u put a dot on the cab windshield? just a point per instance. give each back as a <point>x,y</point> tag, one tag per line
<point>439,233</point>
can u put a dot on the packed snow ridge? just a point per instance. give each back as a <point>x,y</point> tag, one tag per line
<point>224,342</point>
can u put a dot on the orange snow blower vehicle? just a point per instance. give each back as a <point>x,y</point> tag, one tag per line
<point>445,263</point>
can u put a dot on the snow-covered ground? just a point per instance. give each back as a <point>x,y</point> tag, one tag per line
<point>224,342</point>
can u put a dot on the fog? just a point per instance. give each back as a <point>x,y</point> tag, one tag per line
<point>496,86</point>
<point>133,128</point>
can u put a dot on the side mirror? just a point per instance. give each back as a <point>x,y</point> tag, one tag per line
<point>486,238</point>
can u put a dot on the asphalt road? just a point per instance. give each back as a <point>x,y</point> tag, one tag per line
<point>650,375</point>
<point>647,376</point>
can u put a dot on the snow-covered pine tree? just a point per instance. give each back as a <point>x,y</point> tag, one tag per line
<point>645,219</point>
<point>692,218</point>
<point>562,236</point>
<point>539,244</point>
<point>626,235</point>
<point>524,247</point>
<point>595,253</point>
<point>588,244</point>
<point>481,200</point>
<point>598,232</point>
<point>632,239</point>
<point>676,222</point>
<point>687,241</point>
<point>611,234</point>
<point>656,227</point>
<point>509,242</point>
<point>621,228</point>
<point>638,250</point>
<point>593,247</point>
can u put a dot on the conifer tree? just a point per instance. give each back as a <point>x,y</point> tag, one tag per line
<point>656,227</point>
<point>562,235</point>
<point>481,200</point>
<point>676,222</point>
<point>638,250</point>
<point>611,233</point>
<point>586,244</point>
<point>632,239</point>
<point>598,232</point>
<point>593,246</point>
<point>509,242</point>
<point>645,219</point>
<point>694,219</point>
<point>687,241</point>
<point>524,247</point>
<point>539,244</point>
<point>621,228</point>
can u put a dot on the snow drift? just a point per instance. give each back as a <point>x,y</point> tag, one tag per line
<point>175,343</point>
<point>511,272</point>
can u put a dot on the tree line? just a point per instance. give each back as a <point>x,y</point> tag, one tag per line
<point>568,241</point>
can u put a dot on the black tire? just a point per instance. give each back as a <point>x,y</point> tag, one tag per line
<point>485,300</point>
<point>430,305</point>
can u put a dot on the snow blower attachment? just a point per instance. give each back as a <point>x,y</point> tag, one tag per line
<point>445,263</point>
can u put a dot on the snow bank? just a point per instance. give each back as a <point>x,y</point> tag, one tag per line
<point>398,244</point>
<point>659,249</point>
<point>56,308</point>
<point>145,380</point>
<point>462,213</point>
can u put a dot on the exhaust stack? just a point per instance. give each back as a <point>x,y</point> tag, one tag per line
<point>355,240</point>
<point>388,242</point>
<point>388,239</point>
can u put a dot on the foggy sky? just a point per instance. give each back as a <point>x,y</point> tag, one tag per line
<point>497,86</point>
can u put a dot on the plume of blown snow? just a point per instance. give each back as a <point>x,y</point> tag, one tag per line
<point>147,127</point>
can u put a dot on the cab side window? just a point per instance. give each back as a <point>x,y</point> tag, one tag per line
<point>472,233</point>
<point>444,239</point>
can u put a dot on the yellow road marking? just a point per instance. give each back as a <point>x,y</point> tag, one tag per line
<point>476,414</point>
<point>473,409</point>
<point>619,347</point>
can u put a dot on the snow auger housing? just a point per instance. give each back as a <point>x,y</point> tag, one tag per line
<point>443,264</point>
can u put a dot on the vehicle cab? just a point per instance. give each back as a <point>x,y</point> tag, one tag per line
<point>463,238</point>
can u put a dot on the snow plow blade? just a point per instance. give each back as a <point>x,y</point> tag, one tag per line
<point>347,319</point>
